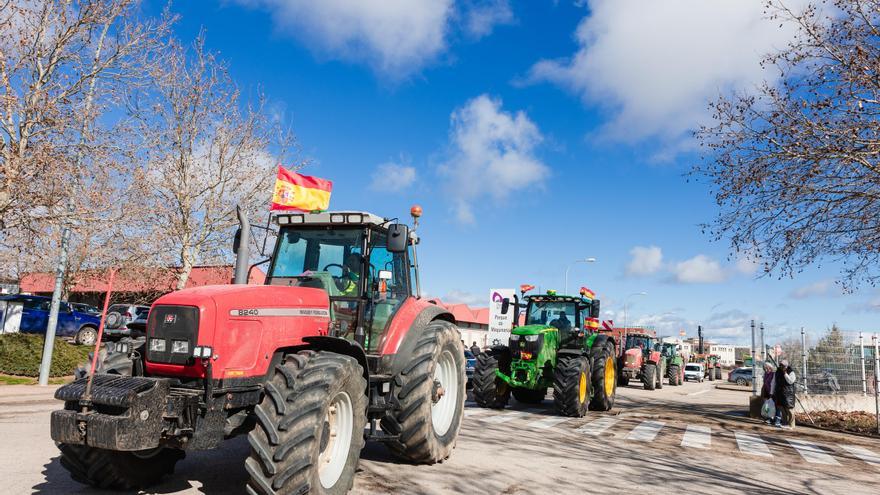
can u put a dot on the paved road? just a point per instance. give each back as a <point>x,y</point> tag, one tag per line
<point>687,439</point>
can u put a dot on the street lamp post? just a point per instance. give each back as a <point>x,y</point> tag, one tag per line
<point>585,260</point>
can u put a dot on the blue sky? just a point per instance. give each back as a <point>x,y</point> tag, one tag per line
<point>533,134</point>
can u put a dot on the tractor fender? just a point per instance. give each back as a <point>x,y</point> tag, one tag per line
<point>572,352</point>
<point>601,340</point>
<point>393,363</point>
<point>339,346</point>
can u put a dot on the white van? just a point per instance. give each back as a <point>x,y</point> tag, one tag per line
<point>694,371</point>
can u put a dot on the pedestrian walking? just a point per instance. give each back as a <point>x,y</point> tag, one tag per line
<point>475,349</point>
<point>767,392</point>
<point>783,391</point>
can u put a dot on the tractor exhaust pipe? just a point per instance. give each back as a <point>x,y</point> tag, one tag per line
<point>240,247</point>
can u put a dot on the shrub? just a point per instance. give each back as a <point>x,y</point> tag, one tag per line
<point>20,354</point>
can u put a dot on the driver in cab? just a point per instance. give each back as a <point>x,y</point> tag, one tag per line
<point>351,275</point>
<point>562,323</point>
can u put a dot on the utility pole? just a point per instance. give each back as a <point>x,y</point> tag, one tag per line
<point>877,380</point>
<point>862,355</point>
<point>804,358</point>
<point>763,347</point>
<point>754,362</point>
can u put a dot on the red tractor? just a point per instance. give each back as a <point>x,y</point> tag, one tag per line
<point>337,348</point>
<point>642,359</point>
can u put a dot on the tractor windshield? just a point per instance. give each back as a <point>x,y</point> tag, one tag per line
<point>323,258</point>
<point>559,314</point>
<point>633,341</point>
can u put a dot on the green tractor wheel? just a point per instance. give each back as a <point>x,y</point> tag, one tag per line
<point>674,375</point>
<point>571,386</point>
<point>604,379</point>
<point>648,379</point>
<point>489,390</point>
<point>529,396</point>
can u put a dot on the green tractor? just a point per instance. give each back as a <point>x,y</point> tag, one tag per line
<point>674,363</point>
<point>558,347</point>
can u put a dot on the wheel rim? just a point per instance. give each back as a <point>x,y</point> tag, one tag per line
<point>582,387</point>
<point>442,411</point>
<point>88,337</point>
<point>338,425</point>
<point>609,376</point>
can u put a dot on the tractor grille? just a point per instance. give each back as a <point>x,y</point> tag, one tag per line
<point>172,324</point>
<point>111,390</point>
<point>525,346</point>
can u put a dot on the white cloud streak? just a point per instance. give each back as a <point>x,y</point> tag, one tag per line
<point>700,269</point>
<point>645,260</point>
<point>392,177</point>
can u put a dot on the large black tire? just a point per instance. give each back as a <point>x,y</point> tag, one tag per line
<point>528,396</point>
<point>674,375</point>
<point>489,390</point>
<point>87,335</point>
<point>571,386</point>
<point>118,470</point>
<point>623,381</point>
<point>602,358</point>
<point>419,439</point>
<point>661,372</point>
<point>711,375</point>
<point>294,425</point>
<point>717,373</point>
<point>648,376</point>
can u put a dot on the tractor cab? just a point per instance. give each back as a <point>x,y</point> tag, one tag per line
<point>567,315</point>
<point>364,262</point>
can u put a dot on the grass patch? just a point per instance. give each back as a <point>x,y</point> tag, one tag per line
<point>852,422</point>
<point>20,355</point>
<point>27,380</point>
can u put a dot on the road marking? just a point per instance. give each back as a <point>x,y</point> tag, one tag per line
<point>646,431</point>
<point>503,418</point>
<point>595,428</point>
<point>812,453</point>
<point>752,444</point>
<point>700,392</point>
<point>863,454</point>
<point>547,422</point>
<point>697,436</point>
<point>475,411</point>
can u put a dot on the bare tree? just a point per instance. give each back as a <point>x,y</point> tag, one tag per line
<point>207,150</point>
<point>794,167</point>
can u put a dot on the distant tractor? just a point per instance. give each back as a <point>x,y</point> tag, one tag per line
<point>335,349</point>
<point>671,354</point>
<point>711,364</point>
<point>641,359</point>
<point>556,348</point>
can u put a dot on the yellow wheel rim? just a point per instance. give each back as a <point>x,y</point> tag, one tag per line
<point>582,388</point>
<point>609,376</point>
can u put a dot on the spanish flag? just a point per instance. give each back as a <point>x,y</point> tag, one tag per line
<point>300,192</point>
<point>587,293</point>
<point>591,323</point>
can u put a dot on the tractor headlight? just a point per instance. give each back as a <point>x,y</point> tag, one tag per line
<point>203,352</point>
<point>180,347</point>
<point>514,338</point>
<point>157,345</point>
<point>532,338</point>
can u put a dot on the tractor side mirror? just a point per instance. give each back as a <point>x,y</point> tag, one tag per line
<point>505,305</point>
<point>384,275</point>
<point>398,236</point>
<point>236,240</point>
<point>594,309</point>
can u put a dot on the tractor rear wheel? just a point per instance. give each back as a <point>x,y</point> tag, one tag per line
<point>604,378</point>
<point>674,375</point>
<point>489,390</point>
<point>648,376</point>
<point>711,375</point>
<point>529,396</point>
<point>717,373</point>
<point>660,373</point>
<point>118,470</point>
<point>431,397</point>
<point>310,424</point>
<point>571,386</point>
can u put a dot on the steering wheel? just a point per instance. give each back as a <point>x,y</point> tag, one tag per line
<point>341,283</point>
<point>341,268</point>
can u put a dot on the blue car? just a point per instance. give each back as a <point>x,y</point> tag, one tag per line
<point>470,366</point>
<point>82,326</point>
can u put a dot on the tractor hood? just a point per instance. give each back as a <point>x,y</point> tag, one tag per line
<point>533,330</point>
<point>632,358</point>
<point>235,322</point>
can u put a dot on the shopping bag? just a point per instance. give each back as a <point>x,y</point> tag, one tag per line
<point>768,410</point>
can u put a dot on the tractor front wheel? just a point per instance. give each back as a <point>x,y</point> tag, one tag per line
<point>310,425</point>
<point>529,396</point>
<point>660,372</point>
<point>431,397</point>
<point>648,376</point>
<point>604,379</point>
<point>674,375</point>
<point>571,386</point>
<point>489,390</point>
<point>126,471</point>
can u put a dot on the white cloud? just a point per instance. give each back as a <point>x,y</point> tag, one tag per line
<point>456,296</point>
<point>395,37</point>
<point>656,64</point>
<point>747,265</point>
<point>492,154</point>
<point>645,260</point>
<point>392,177</point>
<point>727,326</point>
<point>816,289</point>
<point>700,269</point>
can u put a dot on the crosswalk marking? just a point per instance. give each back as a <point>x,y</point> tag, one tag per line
<point>474,411</point>
<point>595,428</point>
<point>863,454</point>
<point>812,453</point>
<point>503,418</point>
<point>698,436</point>
<point>752,444</point>
<point>548,422</point>
<point>646,431</point>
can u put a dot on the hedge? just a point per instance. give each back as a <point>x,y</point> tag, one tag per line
<point>20,354</point>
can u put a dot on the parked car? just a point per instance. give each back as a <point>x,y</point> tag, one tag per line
<point>740,376</point>
<point>470,365</point>
<point>125,320</point>
<point>80,325</point>
<point>85,308</point>
<point>694,371</point>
